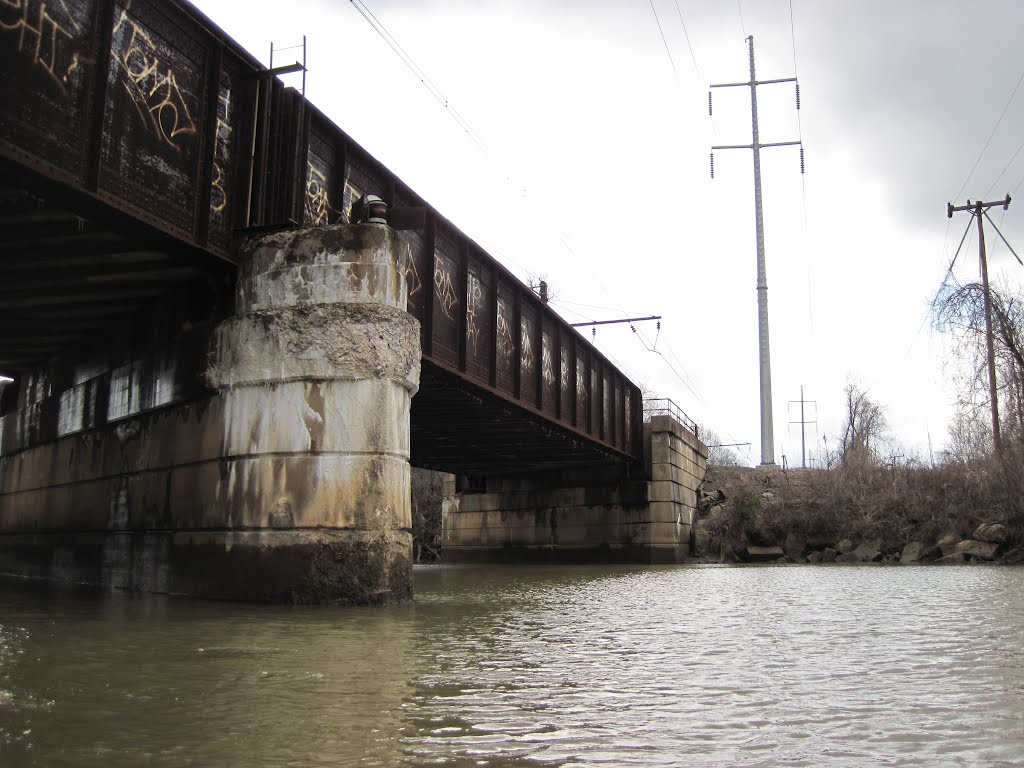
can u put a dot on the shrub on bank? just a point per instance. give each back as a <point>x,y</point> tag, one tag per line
<point>777,513</point>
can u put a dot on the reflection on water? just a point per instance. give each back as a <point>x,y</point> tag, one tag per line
<point>500,666</point>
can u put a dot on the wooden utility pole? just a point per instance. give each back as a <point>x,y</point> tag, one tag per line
<point>767,423</point>
<point>977,209</point>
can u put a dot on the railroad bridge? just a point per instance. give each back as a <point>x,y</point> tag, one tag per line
<point>221,375</point>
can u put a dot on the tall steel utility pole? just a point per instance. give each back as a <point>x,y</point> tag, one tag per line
<point>803,426</point>
<point>977,209</point>
<point>767,427</point>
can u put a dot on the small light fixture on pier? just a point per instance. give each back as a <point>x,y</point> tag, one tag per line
<point>373,210</point>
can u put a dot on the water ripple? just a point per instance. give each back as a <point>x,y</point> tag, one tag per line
<point>618,666</point>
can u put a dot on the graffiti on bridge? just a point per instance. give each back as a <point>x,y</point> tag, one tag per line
<point>526,355</point>
<point>444,289</point>
<point>474,301</point>
<point>547,365</point>
<point>221,157</point>
<point>151,84</point>
<point>506,344</point>
<point>412,280</point>
<point>48,33</point>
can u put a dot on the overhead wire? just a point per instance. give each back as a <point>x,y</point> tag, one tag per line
<point>457,116</point>
<point>674,358</point>
<point>477,139</point>
<point>945,277</point>
<point>413,67</point>
<point>683,377</point>
<point>1002,237</point>
<point>803,181</point>
<point>665,41</point>
<point>678,370</point>
<point>622,311</point>
<point>989,140</point>
<point>688,43</point>
<point>1005,169</point>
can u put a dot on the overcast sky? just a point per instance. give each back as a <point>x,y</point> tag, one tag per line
<point>587,155</point>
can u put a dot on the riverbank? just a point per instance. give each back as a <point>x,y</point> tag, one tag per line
<point>952,514</point>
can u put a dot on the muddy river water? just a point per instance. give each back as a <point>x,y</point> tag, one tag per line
<point>531,666</point>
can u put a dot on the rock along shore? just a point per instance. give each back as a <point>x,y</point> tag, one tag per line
<point>870,515</point>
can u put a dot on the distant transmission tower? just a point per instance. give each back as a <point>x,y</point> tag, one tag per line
<point>767,428</point>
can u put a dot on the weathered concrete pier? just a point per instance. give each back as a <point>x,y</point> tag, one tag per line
<point>288,480</point>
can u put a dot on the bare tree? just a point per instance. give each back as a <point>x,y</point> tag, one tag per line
<point>864,427</point>
<point>718,454</point>
<point>970,434</point>
<point>538,283</point>
<point>960,310</point>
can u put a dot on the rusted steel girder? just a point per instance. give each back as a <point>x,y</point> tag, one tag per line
<point>146,116</point>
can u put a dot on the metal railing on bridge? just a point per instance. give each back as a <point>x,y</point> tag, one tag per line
<point>663,406</point>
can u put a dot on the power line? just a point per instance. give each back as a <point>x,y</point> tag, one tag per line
<point>1005,169</point>
<point>457,116</point>
<point>427,83</point>
<point>803,178</point>
<point>667,50</point>
<point>683,377</point>
<point>949,272</point>
<point>687,36</point>
<point>679,364</point>
<point>589,306</point>
<point>991,135</point>
<point>629,320</point>
<point>680,372</point>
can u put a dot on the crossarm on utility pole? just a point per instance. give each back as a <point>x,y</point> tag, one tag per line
<point>749,83</point>
<point>610,322</point>
<point>762,146</point>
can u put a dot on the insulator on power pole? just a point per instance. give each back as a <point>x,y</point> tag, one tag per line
<point>801,158</point>
<point>709,103</point>
<point>798,96</point>
<point>712,165</point>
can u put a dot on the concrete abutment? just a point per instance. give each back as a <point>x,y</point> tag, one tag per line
<point>285,477</point>
<point>612,513</point>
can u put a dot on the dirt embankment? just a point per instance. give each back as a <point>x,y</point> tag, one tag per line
<point>950,514</point>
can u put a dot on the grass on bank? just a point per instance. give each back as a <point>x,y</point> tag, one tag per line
<point>862,500</point>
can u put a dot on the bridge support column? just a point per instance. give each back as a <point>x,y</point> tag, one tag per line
<point>675,462</point>
<point>616,513</point>
<point>316,372</point>
<point>285,480</point>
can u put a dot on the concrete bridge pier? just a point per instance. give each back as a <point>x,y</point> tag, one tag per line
<point>316,371</point>
<point>285,478</point>
<point>614,513</point>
